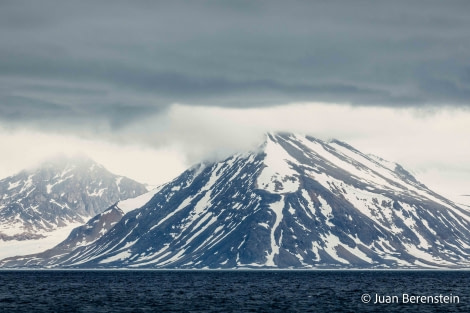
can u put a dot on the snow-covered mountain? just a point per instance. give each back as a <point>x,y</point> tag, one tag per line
<point>59,193</point>
<point>297,202</point>
<point>88,233</point>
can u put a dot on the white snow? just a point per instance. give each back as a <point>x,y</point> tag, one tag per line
<point>203,204</point>
<point>203,219</point>
<point>97,193</point>
<point>62,206</point>
<point>311,209</point>
<point>216,239</point>
<point>358,172</point>
<point>265,225</point>
<point>13,185</point>
<point>420,254</point>
<point>277,208</point>
<point>384,168</point>
<point>358,253</point>
<point>183,205</point>
<point>118,183</point>
<point>377,172</point>
<point>213,178</point>
<point>23,247</point>
<point>50,186</point>
<point>326,210</point>
<point>135,203</point>
<point>28,183</point>
<point>426,224</point>
<point>174,258</point>
<point>277,177</point>
<point>13,227</point>
<point>118,257</point>
<point>331,242</point>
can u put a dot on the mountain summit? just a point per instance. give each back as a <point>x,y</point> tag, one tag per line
<point>59,192</point>
<point>298,202</point>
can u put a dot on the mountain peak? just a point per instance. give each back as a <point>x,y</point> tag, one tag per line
<point>81,161</point>
<point>299,202</point>
<point>60,191</point>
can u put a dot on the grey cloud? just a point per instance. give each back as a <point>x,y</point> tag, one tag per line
<point>88,115</point>
<point>25,108</point>
<point>114,63</point>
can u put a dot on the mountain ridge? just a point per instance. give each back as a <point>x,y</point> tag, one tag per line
<point>59,192</point>
<point>299,202</point>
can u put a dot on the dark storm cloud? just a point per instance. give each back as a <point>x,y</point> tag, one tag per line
<point>49,115</point>
<point>112,62</point>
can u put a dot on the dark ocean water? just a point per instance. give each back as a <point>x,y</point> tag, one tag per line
<point>231,291</point>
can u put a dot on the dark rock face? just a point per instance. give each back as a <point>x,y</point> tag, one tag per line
<point>297,203</point>
<point>60,192</point>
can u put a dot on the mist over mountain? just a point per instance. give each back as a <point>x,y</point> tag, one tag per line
<point>60,192</point>
<point>297,202</point>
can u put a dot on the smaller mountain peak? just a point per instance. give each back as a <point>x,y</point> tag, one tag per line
<point>276,137</point>
<point>271,136</point>
<point>342,143</point>
<point>66,161</point>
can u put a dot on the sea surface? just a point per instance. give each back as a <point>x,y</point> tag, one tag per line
<point>234,291</point>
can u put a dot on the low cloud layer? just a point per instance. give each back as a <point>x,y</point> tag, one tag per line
<point>430,144</point>
<point>99,65</point>
<point>150,87</point>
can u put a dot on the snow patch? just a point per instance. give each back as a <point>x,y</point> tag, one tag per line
<point>277,208</point>
<point>278,177</point>
<point>118,257</point>
<point>13,185</point>
<point>135,203</point>
<point>23,247</point>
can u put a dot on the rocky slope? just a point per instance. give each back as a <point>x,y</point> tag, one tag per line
<point>297,202</point>
<point>60,192</point>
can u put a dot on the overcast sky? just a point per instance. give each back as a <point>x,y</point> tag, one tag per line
<point>150,87</point>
